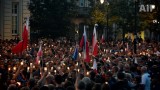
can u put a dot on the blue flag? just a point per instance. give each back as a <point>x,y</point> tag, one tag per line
<point>75,54</point>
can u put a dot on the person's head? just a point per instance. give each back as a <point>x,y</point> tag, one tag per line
<point>126,67</point>
<point>128,76</point>
<point>35,88</point>
<point>108,76</point>
<point>115,69</point>
<point>58,79</point>
<point>121,76</point>
<point>12,87</point>
<point>143,69</point>
<point>70,88</point>
<point>105,86</point>
<point>49,79</point>
<point>96,86</point>
<point>25,88</point>
<point>44,88</point>
<point>81,85</point>
<point>86,80</point>
<point>51,87</point>
<point>31,82</point>
<point>67,83</point>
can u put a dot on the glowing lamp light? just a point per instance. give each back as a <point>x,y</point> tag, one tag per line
<point>102,1</point>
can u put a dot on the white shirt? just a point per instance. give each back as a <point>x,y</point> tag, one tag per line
<point>146,81</point>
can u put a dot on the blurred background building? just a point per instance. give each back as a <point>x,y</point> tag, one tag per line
<point>12,16</point>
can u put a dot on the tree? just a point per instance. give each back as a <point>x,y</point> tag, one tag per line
<point>51,18</point>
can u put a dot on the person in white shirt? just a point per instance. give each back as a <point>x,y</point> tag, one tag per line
<point>145,78</point>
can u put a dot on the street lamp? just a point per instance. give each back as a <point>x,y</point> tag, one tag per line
<point>102,1</point>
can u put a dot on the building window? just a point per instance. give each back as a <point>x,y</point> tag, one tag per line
<point>14,18</point>
<point>81,3</point>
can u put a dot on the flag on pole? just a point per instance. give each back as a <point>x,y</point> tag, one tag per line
<point>102,38</point>
<point>94,42</point>
<point>39,54</point>
<point>84,46</point>
<point>75,54</point>
<point>23,43</point>
<point>94,65</point>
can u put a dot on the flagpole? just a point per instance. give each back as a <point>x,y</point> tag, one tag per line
<point>41,42</point>
<point>23,38</point>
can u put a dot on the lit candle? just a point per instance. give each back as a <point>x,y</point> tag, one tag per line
<point>39,62</point>
<point>59,68</point>
<point>77,64</point>
<point>31,64</point>
<point>87,73</point>
<point>9,69</point>
<point>51,68</point>
<point>64,64</point>
<point>126,59</point>
<point>68,68</point>
<point>45,69</point>
<point>78,70</point>
<point>22,63</point>
<point>14,68</point>
<point>55,71</point>
<point>80,55</point>
<point>27,69</point>
<point>49,72</point>
<point>46,63</point>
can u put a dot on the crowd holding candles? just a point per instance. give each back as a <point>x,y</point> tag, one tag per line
<point>57,70</point>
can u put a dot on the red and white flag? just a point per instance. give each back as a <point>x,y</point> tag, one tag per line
<point>102,38</point>
<point>94,42</point>
<point>84,45</point>
<point>39,54</point>
<point>22,45</point>
<point>94,65</point>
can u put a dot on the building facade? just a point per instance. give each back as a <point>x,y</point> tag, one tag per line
<point>12,17</point>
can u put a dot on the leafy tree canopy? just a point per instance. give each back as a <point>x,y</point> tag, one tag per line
<point>50,18</point>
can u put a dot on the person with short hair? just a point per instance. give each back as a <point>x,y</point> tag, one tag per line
<point>145,78</point>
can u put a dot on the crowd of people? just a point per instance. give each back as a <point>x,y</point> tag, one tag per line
<point>118,67</point>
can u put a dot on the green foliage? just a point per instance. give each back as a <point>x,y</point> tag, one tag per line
<point>98,16</point>
<point>50,18</point>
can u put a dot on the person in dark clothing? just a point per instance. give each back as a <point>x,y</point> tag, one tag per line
<point>122,83</point>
